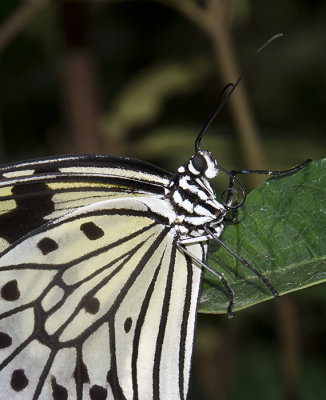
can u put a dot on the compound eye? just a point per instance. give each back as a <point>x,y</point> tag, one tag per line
<point>199,163</point>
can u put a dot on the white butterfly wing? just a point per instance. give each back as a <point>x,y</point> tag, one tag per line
<point>115,322</point>
<point>35,192</point>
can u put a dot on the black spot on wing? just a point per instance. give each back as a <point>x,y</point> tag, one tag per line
<point>47,245</point>
<point>5,340</point>
<point>91,231</point>
<point>97,392</point>
<point>81,373</point>
<point>92,306</point>
<point>18,380</point>
<point>10,291</point>
<point>127,324</point>
<point>58,392</point>
<point>33,203</point>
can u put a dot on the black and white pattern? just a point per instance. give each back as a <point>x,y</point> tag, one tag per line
<point>97,299</point>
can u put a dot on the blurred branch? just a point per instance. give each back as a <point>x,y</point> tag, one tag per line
<point>80,94</point>
<point>80,101</point>
<point>288,326</point>
<point>18,20</point>
<point>11,27</point>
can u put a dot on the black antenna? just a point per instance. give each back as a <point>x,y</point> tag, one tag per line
<point>228,95</point>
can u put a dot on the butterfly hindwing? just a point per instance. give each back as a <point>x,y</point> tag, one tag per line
<point>98,304</point>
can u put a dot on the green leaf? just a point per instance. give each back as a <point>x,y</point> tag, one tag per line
<point>281,232</point>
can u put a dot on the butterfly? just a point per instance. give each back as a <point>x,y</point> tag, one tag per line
<point>97,299</point>
<point>101,260</point>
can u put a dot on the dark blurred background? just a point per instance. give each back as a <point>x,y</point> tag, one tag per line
<point>139,78</point>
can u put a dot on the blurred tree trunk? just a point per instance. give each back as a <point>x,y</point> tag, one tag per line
<point>79,82</point>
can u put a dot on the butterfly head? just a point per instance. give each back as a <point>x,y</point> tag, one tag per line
<point>201,164</point>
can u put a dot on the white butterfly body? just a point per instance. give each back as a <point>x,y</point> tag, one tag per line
<point>99,302</point>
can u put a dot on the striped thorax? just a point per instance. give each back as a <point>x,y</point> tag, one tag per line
<point>193,198</point>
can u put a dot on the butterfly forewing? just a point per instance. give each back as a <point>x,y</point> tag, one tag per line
<point>34,193</point>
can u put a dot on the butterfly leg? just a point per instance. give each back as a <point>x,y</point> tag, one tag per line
<point>233,206</point>
<point>244,262</point>
<point>217,274</point>
<point>269,172</point>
